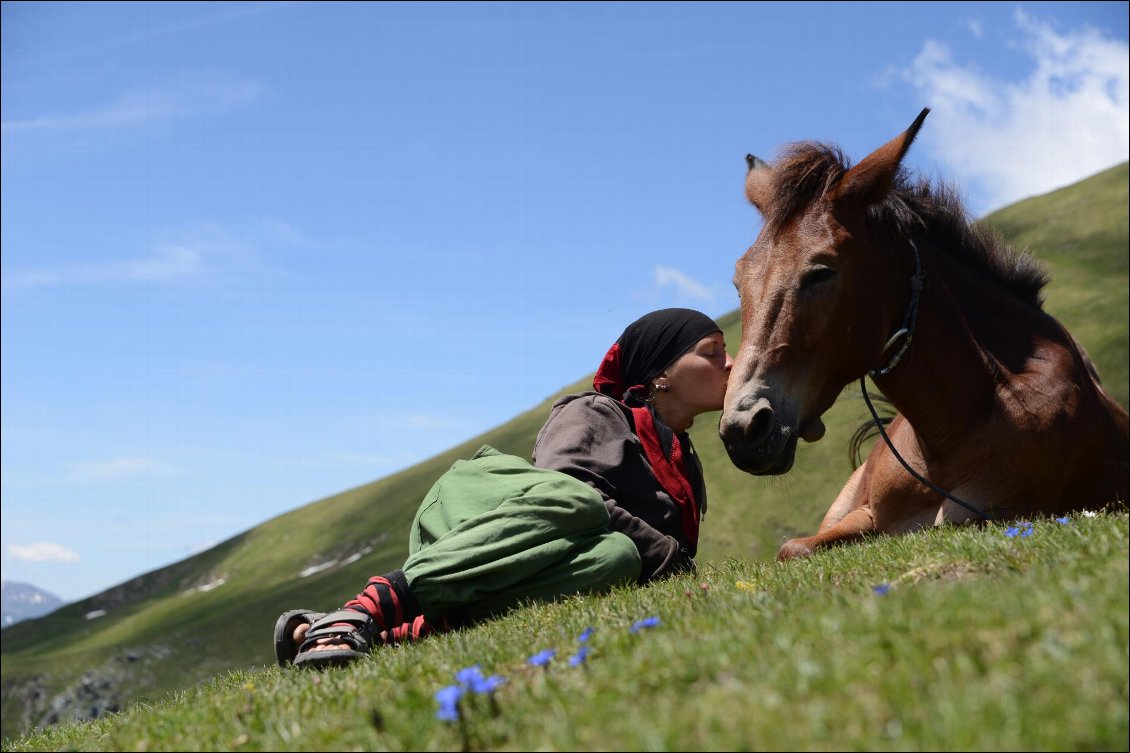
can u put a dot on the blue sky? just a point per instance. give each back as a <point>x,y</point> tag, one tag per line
<point>257,254</point>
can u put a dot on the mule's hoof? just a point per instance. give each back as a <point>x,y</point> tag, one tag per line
<point>792,550</point>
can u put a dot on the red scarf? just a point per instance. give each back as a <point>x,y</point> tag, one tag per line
<point>670,472</point>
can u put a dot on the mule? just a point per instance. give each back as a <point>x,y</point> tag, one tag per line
<point>865,270</point>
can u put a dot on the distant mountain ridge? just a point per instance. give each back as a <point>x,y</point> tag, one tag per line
<point>185,623</point>
<point>23,601</point>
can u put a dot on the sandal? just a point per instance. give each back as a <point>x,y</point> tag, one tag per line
<point>347,626</point>
<point>285,648</point>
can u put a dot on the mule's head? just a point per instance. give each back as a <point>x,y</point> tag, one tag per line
<point>819,297</point>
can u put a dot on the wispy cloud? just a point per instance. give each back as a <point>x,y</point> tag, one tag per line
<point>188,255</point>
<point>423,421</point>
<point>186,96</point>
<point>1008,140</point>
<point>42,551</point>
<point>375,461</point>
<point>683,284</point>
<point>117,469</point>
<point>169,264</point>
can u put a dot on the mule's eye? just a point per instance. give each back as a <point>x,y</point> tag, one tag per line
<point>816,275</point>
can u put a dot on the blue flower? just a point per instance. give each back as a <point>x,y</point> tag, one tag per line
<point>882,589</point>
<point>584,637</point>
<point>542,658</point>
<point>487,685</point>
<point>1023,528</point>
<point>647,622</point>
<point>469,676</point>
<point>579,658</point>
<point>448,700</point>
<point>472,679</point>
<point>1064,520</point>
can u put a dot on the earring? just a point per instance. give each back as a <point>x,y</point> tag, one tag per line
<point>662,387</point>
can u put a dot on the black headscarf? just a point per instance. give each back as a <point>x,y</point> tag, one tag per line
<point>647,347</point>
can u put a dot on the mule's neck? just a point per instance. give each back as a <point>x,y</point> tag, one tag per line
<point>964,341</point>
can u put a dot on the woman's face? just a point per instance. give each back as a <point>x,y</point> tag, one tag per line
<point>698,378</point>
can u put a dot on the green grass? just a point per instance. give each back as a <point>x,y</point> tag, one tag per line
<point>157,638</point>
<point>983,642</point>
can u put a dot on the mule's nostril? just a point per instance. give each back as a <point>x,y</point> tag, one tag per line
<point>760,424</point>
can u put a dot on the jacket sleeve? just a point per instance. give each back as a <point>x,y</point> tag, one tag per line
<point>590,439</point>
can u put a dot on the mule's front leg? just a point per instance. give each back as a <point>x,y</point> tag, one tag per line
<point>852,527</point>
<point>853,495</point>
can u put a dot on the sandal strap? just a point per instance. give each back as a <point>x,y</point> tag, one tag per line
<point>388,599</point>
<point>344,626</point>
<point>349,616</point>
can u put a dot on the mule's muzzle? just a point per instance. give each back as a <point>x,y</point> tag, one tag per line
<point>755,439</point>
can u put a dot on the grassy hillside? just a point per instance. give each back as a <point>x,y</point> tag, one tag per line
<point>951,639</point>
<point>173,628</point>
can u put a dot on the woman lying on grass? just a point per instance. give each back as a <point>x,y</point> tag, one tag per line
<point>614,496</point>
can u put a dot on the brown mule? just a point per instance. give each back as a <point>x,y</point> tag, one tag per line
<point>861,271</point>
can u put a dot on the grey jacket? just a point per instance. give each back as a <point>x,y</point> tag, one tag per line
<point>591,437</point>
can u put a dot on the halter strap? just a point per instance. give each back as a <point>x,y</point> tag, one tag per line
<point>909,320</point>
<point>917,283</point>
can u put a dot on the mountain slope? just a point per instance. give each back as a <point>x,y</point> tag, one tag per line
<point>179,625</point>
<point>23,601</point>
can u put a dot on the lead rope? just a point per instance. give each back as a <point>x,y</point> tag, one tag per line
<point>906,465</point>
<point>917,283</point>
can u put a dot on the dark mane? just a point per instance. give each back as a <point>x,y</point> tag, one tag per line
<point>806,170</point>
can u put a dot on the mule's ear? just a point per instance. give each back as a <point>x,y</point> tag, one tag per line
<point>758,180</point>
<point>868,182</point>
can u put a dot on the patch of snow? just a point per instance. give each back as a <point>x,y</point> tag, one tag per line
<point>95,614</point>
<point>356,556</point>
<point>317,569</point>
<point>207,586</point>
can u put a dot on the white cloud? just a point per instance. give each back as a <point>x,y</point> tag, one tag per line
<point>187,255</point>
<point>189,95</point>
<point>370,461</point>
<point>168,264</point>
<point>119,468</point>
<point>42,551</point>
<point>1007,140</point>
<point>424,421</point>
<point>671,277</point>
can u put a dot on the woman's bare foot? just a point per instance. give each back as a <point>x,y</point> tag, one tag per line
<point>322,645</point>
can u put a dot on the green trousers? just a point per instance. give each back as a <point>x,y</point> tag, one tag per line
<point>495,532</point>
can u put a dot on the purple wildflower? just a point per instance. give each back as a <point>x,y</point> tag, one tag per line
<point>487,684</point>
<point>1064,520</point>
<point>469,676</point>
<point>647,622</point>
<point>542,658</point>
<point>579,658</point>
<point>1023,528</point>
<point>584,636</point>
<point>448,700</point>
<point>472,679</point>
<point>882,589</point>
